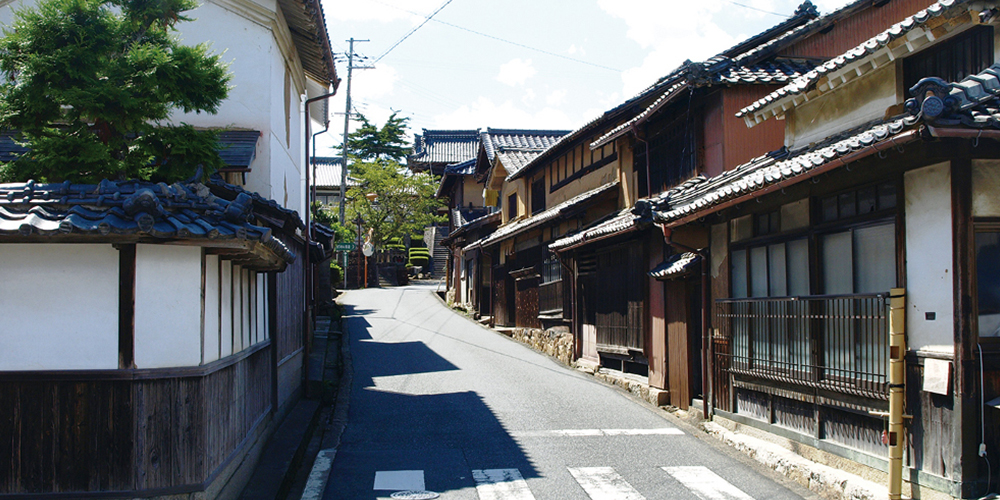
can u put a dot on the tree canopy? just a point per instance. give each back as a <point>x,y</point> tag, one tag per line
<point>391,201</point>
<point>89,85</point>
<point>370,143</point>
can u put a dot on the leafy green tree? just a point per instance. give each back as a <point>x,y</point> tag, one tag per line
<point>90,83</point>
<point>392,201</point>
<point>370,143</point>
<point>325,215</point>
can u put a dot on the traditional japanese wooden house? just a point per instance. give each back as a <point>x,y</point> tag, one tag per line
<point>850,273</point>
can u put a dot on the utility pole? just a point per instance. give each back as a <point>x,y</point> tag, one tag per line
<point>347,123</point>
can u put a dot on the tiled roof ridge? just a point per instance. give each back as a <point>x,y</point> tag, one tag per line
<point>519,131</point>
<point>897,30</point>
<point>943,103</point>
<point>216,181</point>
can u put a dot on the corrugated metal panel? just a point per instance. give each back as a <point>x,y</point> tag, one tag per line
<point>850,32</point>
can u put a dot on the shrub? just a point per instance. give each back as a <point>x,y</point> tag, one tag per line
<point>336,273</point>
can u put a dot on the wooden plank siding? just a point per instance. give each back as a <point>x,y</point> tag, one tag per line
<point>619,298</point>
<point>289,323</point>
<point>164,430</point>
<point>848,33</point>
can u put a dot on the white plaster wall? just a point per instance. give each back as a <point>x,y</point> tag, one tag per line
<point>858,102</point>
<point>227,308</point>
<point>985,186</point>
<point>213,348</point>
<point>238,337</point>
<point>261,307</point>
<point>59,307</point>
<point>929,274</point>
<point>167,306</point>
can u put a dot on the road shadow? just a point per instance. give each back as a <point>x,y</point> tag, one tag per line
<point>445,435</point>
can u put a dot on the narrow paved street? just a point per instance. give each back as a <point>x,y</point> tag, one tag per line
<point>440,403</point>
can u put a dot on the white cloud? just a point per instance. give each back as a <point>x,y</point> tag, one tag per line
<point>516,72</point>
<point>373,83</point>
<point>529,97</point>
<point>502,115</point>
<point>556,97</point>
<point>381,10</point>
<point>654,26</point>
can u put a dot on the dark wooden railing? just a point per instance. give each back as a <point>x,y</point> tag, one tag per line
<point>550,297</point>
<point>834,342</point>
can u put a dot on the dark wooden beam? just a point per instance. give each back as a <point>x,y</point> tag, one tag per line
<point>126,306</point>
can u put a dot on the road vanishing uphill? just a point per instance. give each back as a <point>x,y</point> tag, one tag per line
<point>443,405</point>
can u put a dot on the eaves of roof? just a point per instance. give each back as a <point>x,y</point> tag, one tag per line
<point>512,229</point>
<point>907,36</point>
<point>490,218</point>
<point>136,212</point>
<point>619,223</point>
<point>308,28</point>
<point>969,108</point>
<point>676,266</point>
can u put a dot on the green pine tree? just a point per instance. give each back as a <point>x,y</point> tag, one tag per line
<point>89,85</point>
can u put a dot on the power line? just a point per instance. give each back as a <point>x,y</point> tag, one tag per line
<point>445,4</point>
<point>504,40</point>
<point>758,10</point>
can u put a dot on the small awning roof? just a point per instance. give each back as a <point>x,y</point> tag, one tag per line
<point>677,266</point>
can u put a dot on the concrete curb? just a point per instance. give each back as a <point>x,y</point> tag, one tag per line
<point>319,474</point>
<point>822,479</point>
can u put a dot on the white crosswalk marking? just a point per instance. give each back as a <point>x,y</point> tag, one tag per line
<point>603,483</point>
<point>501,484</point>
<point>706,484</point>
<point>661,431</point>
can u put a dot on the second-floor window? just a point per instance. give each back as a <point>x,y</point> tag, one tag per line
<point>538,195</point>
<point>512,207</point>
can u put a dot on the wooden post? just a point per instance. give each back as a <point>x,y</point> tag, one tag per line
<point>897,388</point>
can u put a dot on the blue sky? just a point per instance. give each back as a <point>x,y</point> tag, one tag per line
<point>526,63</point>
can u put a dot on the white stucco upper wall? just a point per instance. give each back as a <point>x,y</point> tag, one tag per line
<point>860,101</point>
<point>929,273</point>
<point>167,306</point>
<point>60,307</point>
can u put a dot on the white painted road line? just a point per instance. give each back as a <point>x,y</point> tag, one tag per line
<point>662,431</point>
<point>399,480</point>
<point>603,483</point>
<point>706,484</point>
<point>501,484</point>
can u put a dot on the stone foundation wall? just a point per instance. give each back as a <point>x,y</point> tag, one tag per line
<point>554,342</point>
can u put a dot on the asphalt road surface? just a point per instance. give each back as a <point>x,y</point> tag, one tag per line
<point>441,404</point>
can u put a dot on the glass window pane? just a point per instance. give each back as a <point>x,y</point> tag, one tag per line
<point>758,272</point>
<point>846,202</point>
<point>828,207</point>
<point>798,267</point>
<point>875,258</point>
<point>988,283</point>
<point>776,270</point>
<point>886,195</point>
<point>867,201</point>
<point>739,273</point>
<point>837,265</point>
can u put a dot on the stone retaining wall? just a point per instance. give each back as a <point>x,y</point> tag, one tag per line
<point>554,342</point>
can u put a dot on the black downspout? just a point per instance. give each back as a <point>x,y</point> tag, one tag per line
<point>306,264</point>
